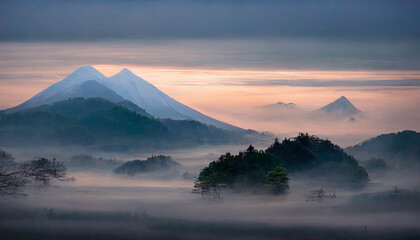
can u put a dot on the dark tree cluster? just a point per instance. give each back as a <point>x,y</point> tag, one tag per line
<point>258,169</point>
<point>15,176</point>
<point>249,170</point>
<point>151,164</point>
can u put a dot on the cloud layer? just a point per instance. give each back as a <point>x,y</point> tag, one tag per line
<point>46,20</point>
<point>336,83</point>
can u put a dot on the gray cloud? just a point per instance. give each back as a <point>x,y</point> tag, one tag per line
<point>53,20</point>
<point>7,77</point>
<point>327,34</point>
<point>228,53</point>
<point>379,89</point>
<point>333,83</point>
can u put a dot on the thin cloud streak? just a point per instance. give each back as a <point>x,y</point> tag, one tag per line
<point>336,83</point>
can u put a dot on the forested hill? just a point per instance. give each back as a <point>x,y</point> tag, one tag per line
<point>99,123</point>
<point>307,156</point>
<point>397,148</point>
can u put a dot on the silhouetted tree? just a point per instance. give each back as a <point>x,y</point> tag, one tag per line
<point>208,188</point>
<point>15,176</point>
<point>250,149</point>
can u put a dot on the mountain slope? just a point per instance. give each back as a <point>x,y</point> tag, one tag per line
<point>154,101</point>
<point>402,147</point>
<point>99,123</point>
<point>64,87</point>
<point>88,82</point>
<point>83,122</point>
<point>133,107</point>
<point>340,107</point>
<point>79,107</point>
<point>88,89</point>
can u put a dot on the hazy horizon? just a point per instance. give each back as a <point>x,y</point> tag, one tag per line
<point>226,59</point>
<point>166,160</point>
<point>388,99</point>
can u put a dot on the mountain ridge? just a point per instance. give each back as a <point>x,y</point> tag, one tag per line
<point>97,123</point>
<point>281,105</point>
<point>397,148</point>
<point>124,84</point>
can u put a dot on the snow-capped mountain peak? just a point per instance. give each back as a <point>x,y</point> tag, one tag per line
<point>125,72</point>
<point>47,96</point>
<point>124,84</point>
<point>79,76</point>
<point>155,102</point>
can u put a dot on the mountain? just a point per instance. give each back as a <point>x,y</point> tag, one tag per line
<point>154,101</point>
<point>133,107</point>
<point>80,107</point>
<point>341,107</point>
<point>68,87</point>
<point>401,148</point>
<point>88,89</point>
<point>282,105</point>
<point>99,123</point>
<point>88,82</point>
<point>83,122</point>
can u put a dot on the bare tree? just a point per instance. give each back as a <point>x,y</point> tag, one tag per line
<point>12,180</point>
<point>205,188</point>
<point>14,176</point>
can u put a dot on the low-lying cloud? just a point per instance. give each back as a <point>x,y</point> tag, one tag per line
<point>320,83</point>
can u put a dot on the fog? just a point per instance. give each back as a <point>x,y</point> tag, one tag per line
<point>227,60</point>
<point>286,122</point>
<point>148,205</point>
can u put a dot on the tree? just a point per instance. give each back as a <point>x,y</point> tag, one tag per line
<point>250,149</point>
<point>201,187</point>
<point>277,180</point>
<point>275,146</point>
<point>206,188</point>
<point>14,176</point>
<point>11,178</point>
<point>209,183</point>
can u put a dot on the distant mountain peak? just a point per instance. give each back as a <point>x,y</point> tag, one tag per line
<point>288,105</point>
<point>281,105</point>
<point>342,107</point>
<point>342,99</point>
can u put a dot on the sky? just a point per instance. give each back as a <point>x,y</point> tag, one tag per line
<point>227,58</point>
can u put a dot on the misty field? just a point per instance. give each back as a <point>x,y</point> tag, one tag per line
<point>103,205</point>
